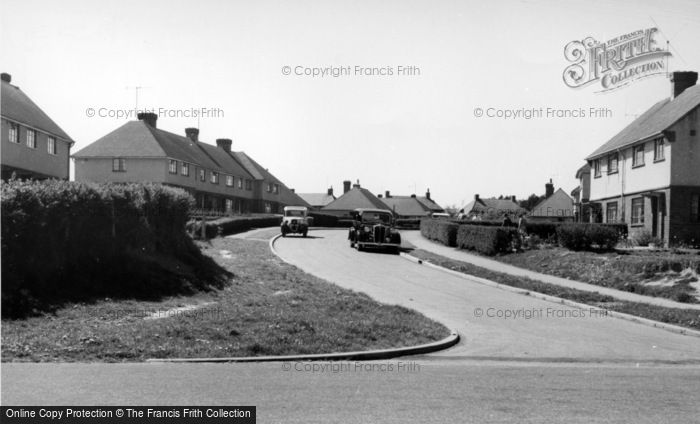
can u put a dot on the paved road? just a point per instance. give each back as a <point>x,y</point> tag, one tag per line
<point>552,331</point>
<point>440,391</point>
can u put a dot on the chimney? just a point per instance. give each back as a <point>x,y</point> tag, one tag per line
<point>330,191</point>
<point>476,197</point>
<point>548,189</point>
<point>387,194</point>
<point>149,118</point>
<point>357,184</point>
<point>291,189</point>
<point>413,196</point>
<point>682,80</point>
<point>224,143</point>
<point>6,77</point>
<point>193,134</point>
<point>379,195</point>
<point>427,195</point>
<point>514,199</point>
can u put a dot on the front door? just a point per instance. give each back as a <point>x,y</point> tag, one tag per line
<point>655,216</point>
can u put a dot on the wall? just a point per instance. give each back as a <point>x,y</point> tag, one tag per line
<point>38,160</point>
<point>685,153</point>
<point>137,169</point>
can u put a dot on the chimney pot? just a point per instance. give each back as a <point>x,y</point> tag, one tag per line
<point>681,81</point>
<point>379,195</point>
<point>330,191</point>
<point>192,134</point>
<point>6,77</point>
<point>387,194</point>
<point>346,186</point>
<point>291,189</point>
<point>427,194</point>
<point>413,196</point>
<point>149,118</point>
<point>476,197</point>
<point>224,143</point>
<point>548,188</point>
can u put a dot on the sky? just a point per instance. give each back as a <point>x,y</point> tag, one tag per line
<point>405,132</point>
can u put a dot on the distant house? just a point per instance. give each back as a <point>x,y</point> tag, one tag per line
<point>411,207</point>
<point>491,208</point>
<point>318,200</point>
<point>353,198</point>
<point>33,145</point>
<point>582,194</point>
<point>557,206</point>
<point>648,175</point>
<point>219,178</point>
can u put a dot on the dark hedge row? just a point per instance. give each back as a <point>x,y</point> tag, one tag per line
<point>65,241</point>
<point>328,221</point>
<point>588,236</point>
<point>232,225</point>
<point>548,230</point>
<point>488,240</point>
<point>440,230</point>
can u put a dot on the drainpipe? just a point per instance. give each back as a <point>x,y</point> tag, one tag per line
<point>621,171</point>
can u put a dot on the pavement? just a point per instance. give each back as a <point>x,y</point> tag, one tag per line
<point>492,323</point>
<point>417,240</point>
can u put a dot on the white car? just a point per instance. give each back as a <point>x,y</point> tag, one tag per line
<point>295,220</point>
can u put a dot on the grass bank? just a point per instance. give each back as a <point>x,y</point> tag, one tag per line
<point>266,308</point>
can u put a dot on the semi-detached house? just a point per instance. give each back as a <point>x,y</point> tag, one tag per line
<point>648,175</point>
<point>219,178</point>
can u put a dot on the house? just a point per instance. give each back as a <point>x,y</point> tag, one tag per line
<point>219,178</point>
<point>33,145</point>
<point>556,206</point>
<point>411,207</point>
<point>582,194</point>
<point>353,198</point>
<point>648,175</point>
<point>318,200</point>
<point>491,208</point>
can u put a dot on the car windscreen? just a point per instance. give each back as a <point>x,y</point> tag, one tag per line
<point>376,218</point>
<point>294,213</point>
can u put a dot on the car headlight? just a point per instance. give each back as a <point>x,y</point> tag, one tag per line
<point>367,229</point>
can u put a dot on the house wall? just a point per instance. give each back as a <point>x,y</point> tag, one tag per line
<point>137,169</point>
<point>685,151</point>
<point>39,160</point>
<point>683,229</point>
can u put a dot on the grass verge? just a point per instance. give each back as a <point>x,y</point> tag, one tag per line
<point>683,317</point>
<point>267,308</point>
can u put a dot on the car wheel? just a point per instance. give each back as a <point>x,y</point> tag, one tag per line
<point>359,247</point>
<point>304,233</point>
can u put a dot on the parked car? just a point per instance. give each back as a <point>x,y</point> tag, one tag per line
<point>295,221</point>
<point>374,228</point>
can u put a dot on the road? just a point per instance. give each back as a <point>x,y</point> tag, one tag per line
<point>537,370</point>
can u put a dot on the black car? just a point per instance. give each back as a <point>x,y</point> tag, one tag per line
<point>374,228</point>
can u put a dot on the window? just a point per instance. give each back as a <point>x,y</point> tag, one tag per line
<point>269,187</point>
<point>118,165</point>
<point>276,189</point>
<point>638,156</point>
<point>202,175</point>
<point>31,139</point>
<point>214,177</point>
<point>51,145</point>
<point>185,169</point>
<point>229,181</point>
<point>638,211</point>
<point>14,133</point>
<point>611,212</point>
<point>248,185</point>
<point>240,183</point>
<point>596,168</point>
<point>695,208</point>
<point>612,163</point>
<point>173,166</point>
<point>658,149</point>
<point>229,205</point>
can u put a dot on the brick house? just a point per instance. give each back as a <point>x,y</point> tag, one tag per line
<point>648,175</point>
<point>219,178</point>
<point>411,207</point>
<point>556,206</point>
<point>33,145</point>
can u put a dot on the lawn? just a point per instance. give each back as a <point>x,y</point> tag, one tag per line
<point>652,273</point>
<point>689,318</point>
<point>267,308</point>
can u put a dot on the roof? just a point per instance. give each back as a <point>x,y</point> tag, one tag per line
<point>317,199</point>
<point>585,169</point>
<point>363,210</point>
<point>406,206</point>
<point>559,204</point>
<point>652,122</point>
<point>430,204</point>
<point>492,205</point>
<point>356,198</point>
<point>17,106</point>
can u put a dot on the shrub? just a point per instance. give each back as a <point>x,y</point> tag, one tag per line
<point>440,230</point>
<point>327,220</point>
<point>645,238</point>
<point>488,240</point>
<point>232,225</point>
<point>543,230</point>
<point>64,240</point>
<point>408,223</point>
<point>588,236</point>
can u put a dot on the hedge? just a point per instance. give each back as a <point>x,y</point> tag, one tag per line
<point>65,240</point>
<point>408,223</point>
<point>440,230</point>
<point>488,240</point>
<point>588,236</point>
<point>548,230</point>
<point>232,225</point>
<point>327,220</point>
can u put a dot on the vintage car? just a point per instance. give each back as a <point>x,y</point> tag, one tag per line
<point>295,221</point>
<point>374,228</point>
